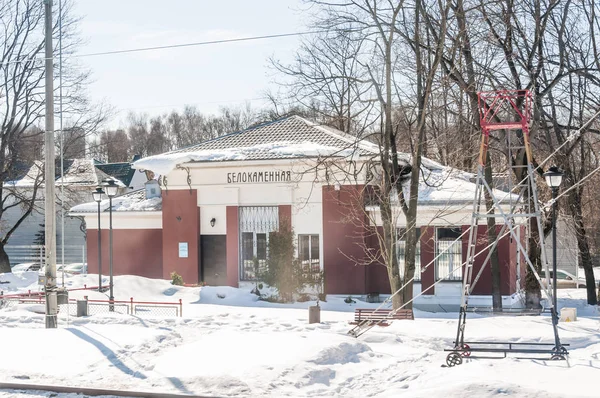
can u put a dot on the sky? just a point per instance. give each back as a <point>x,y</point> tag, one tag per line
<point>156,82</point>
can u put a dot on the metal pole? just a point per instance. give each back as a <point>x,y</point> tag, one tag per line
<point>111,297</point>
<point>554,194</point>
<point>62,161</point>
<point>99,251</point>
<point>50,208</point>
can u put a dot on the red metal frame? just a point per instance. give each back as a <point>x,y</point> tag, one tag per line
<point>495,107</point>
<point>35,294</point>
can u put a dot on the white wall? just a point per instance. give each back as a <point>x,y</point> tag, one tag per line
<point>207,212</point>
<point>126,220</point>
<point>215,193</point>
<point>138,180</point>
<point>567,252</point>
<point>434,215</point>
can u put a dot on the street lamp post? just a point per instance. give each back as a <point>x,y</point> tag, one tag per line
<point>97,195</point>
<point>554,178</point>
<point>111,190</point>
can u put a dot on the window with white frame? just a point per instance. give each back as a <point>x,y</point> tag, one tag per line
<point>309,255</point>
<point>448,252</point>
<point>400,254</point>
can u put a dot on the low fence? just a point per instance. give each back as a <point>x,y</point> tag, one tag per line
<point>132,307</point>
<point>94,307</point>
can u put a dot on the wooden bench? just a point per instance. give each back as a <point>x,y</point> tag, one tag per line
<point>382,317</point>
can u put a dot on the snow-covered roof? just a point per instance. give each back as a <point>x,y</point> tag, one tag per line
<point>291,137</point>
<point>131,201</point>
<point>447,186</point>
<point>78,172</point>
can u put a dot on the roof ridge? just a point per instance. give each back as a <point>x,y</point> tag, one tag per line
<point>238,132</point>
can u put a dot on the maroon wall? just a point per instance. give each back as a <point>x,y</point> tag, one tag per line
<point>378,280</point>
<point>232,246</point>
<point>135,252</point>
<point>285,215</point>
<point>506,261</point>
<point>181,223</point>
<point>343,240</point>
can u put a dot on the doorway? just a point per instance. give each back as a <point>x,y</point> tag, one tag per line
<point>213,260</point>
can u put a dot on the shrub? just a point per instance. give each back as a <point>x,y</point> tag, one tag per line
<point>283,270</point>
<point>176,279</point>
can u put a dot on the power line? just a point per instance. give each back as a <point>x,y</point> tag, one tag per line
<point>199,43</point>
<point>182,45</point>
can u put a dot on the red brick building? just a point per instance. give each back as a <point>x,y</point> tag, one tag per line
<point>209,215</point>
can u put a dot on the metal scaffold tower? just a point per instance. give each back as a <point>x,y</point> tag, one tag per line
<point>506,114</point>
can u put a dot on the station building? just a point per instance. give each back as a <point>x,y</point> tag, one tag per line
<point>207,211</point>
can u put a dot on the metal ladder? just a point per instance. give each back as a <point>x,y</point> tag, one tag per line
<point>519,210</point>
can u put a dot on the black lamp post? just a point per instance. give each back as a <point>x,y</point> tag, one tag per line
<point>111,190</point>
<point>97,195</point>
<point>553,178</point>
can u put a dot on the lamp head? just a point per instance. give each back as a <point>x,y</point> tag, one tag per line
<point>111,188</point>
<point>213,222</point>
<point>553,177</point>
<point>97,194</point>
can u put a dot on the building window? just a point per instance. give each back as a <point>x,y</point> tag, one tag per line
<point>400,250</point>
<point>309,255</point>
<point>256,222</point>
<point>448,247</point>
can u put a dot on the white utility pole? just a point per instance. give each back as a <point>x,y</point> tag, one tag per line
<point>49,181</point>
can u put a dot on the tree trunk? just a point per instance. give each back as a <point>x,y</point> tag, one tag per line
<point>390,257</point>
<point>409,253</point>
<point>532,287</point>
<point>4,261</point>
<point>584,248</point>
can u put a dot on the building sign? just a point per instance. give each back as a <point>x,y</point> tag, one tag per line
<point>183,249</point>
<point>258,176</point>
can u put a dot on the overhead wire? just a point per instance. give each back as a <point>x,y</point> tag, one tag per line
<point>199,43</point>
<point>172,46</point>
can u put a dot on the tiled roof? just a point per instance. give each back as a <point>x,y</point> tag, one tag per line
<point>120,171</point>
<point>293,129</point>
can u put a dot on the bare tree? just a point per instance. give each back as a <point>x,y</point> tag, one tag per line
<point>382,63</point>
<point>328,78</point>
<point>22,100</point>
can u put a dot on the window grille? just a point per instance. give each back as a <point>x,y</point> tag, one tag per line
<point>309,255</point>
<point>400,254</point>
<point>448,265</point>
<point>256,223</point>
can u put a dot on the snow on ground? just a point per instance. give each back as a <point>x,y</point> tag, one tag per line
<point>230,344</point>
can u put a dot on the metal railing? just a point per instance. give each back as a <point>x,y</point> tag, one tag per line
<point>131,307</point>
<point>35,254</point>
